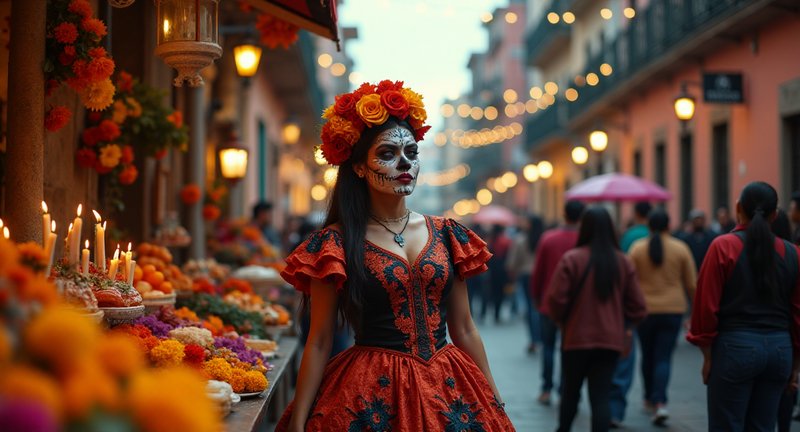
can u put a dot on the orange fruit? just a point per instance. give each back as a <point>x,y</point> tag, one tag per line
<point>155,278</point>
<point>138,273</point>
<point>148,269</point>
<point>166,287</point>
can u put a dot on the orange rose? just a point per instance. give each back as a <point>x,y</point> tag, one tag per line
<point>370,109</point>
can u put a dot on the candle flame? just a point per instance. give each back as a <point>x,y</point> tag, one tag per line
<point>70,228</point>
<point>104,224</point>
<point>80,208</point>
<point>6,233</point>
<point>129,246</point>
<point>116,254</point>
<point>1,223</point>
<point>97,216</point>
<point>53,226</point>
<point>44,206</point>
<point>87,244</point>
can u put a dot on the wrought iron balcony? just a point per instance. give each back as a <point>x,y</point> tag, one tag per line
<point>544,125</point>
<point>546,39</point>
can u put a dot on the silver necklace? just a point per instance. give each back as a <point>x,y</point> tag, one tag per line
<point>398,236</point>
<point>391,220</point>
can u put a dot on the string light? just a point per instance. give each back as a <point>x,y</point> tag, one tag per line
<point>511,17</point>
<point>592,79</point>
<point>484,196</point>
<point>487,17</point>
<point>463,110</point>
<point>319,192</point>
<point>606,13</point>
<point>447,110</point>
<point>629,12</point>
<point>571,94</point>
<point>580,155</point>
<point>446,177</point>
<point>338,69</point>
<point>490,113</point>
<point>531,173</point>
<point>329,176</point>
<point>568,17</point>
<point>553,18</point>
<point>551,88</point>
<point>545,169</point>
<point>510,96</point>
<point>325,60</point>
<point>606,69</point>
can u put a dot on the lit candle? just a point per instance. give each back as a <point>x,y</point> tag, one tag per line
<point>131,271</point>
<point>85,259</point>
<point>112,270</point>
<point>50,248</point>
<point>99,243</point>
<point>127,261</point>
<point>45,224</point>
<point>75,237</point>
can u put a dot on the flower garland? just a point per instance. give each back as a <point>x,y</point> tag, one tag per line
<point>274,31</point>
<point>370,105</point>
<point>75,56</point>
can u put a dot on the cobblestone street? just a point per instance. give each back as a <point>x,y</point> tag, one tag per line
<point>518,377</point>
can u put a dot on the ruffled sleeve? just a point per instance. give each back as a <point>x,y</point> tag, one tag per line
<point>468,251</point>
<point>320,257</point>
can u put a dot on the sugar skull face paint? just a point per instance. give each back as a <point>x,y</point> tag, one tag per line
<point>393,162</point>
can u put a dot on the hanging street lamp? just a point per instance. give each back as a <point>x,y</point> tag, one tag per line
<point>188,37</point>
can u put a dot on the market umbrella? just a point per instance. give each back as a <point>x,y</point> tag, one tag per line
<point>617,187</point>
<point>494,214</point>
<point>316,16</point>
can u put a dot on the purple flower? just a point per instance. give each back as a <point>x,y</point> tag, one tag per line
<point>159,328</point>
<point>237,345</point>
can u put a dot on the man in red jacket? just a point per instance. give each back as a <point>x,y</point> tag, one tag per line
<point>552,246</point>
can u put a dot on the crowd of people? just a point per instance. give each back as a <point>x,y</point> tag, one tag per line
<point>731,286</point>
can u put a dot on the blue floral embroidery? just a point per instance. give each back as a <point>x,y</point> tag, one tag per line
<point>451,382</point>
<point>375,417</point>
<point>459,231</point>
<point>384,381</point>
<point>462,417</point>
<point>317,239</point>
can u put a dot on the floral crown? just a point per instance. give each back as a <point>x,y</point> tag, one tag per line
<point>370,105</point>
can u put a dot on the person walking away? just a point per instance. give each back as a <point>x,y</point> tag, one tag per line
<point>746,318</point>
<point>667,276</point>
<point>699,237</point>
<point>724,223</point>
<point>623,374</point>
<point>552,246</point>
<point>519,266</point>
<point>262,218</point>
<point>595,298</point>
<point>499,246</point>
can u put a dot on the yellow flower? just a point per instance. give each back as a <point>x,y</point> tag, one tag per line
<point>61,337</point>
<point>413,98</point>
<point>370,109</point>
<point>120,112</point>
<point>24,383</point>
<point>168,353</point>
<point>119,354</point>
<point>32,255</point>
<point>99,95</point>
<point>110,155</point>
<point>9,257</point>
<point>218,368</point>
<point>86,387</point>
<point>238,380</point>
<point>329,112</point>
<point>167,400</point>
<point>417,117</point>
<point>255,381</point>
<point>136,107</point>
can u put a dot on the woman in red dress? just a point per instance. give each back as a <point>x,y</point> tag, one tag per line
<point>398,278</point>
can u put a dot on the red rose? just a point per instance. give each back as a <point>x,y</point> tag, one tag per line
<point>395,103</point>
<point>89,137</point>
<point>127,155</point>
<point>335,147</point>
<point>57,118</point>
<point>344,104</point>
<point>419,134</point>
<point>86,157</point>
<point>387,85</point>
<point>128,175</point>
<point>108,130</point>
<point>364,89</point>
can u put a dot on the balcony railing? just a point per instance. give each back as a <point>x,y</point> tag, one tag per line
<point>662,27</point>
<point>546,39</point>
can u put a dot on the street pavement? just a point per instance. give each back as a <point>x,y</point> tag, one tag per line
<point>517,375</point>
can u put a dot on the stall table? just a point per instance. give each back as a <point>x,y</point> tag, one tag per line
<point>251,414</point>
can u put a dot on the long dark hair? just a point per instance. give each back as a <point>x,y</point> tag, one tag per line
<point>350,209</point>
<point>781,226</point>
<point>598,233</point>
<point>535,230</point>
<point>758,202</point>
<point>658,222</point>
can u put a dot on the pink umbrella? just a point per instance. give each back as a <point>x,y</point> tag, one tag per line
<point>494,214</point>
<point>617,187</point>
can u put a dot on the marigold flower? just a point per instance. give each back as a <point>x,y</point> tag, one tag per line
<point>128,175</point>
<point>110,155</point>
<point>56,118</point>
<point>5,346</point>
<point>214,324</point>
<point>38,289</point>
<point>94,25</point>
<point>24,383</point>
<point>99,95</point>
<point>99,69</point>
<point>167,400</point>
<point>120,112</point>
<point>194,354</point>
<point>61,337</point>
<point>176,118</point>
<point>32,255</point>
<point>97,52</point>
<point>255,381</point>
<point>168,353</point>
<point>127,154</point>
<point>87,386</point>
<point>190,194</point>
<point>80,7</point>
<point>211,212</point>
<point>66,33</point>
<point>276,32</point>
<point>187,314</point>
<point>9,257</point>
<point>119,354</point>
<point>125,82</point>
<point>218,369</point>
<point>329,112</point>
<point>107,130</point>
<point>238,380</point>
<point>50,86</point>
<point>338,137</point>
<point>86,158</point>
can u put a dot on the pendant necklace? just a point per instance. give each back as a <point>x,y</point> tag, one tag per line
<point>398,236</point>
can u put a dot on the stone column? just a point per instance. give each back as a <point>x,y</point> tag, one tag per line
<point>25,152</point>
<point>197,169</point>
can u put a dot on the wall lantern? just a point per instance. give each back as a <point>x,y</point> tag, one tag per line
<point>580,155</point>
<point>188,37</point>
<point>598,140</point>
<point>291,133</point>
<point>684,105</point>
<point>233,160</point>
<point>247,58</point>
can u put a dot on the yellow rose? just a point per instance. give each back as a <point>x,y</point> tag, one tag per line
<point>110,155</point>
<point>417,117</point>
<point>370,109</point>
<point>413,98</point>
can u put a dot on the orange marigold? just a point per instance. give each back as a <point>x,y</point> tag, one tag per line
<point>125,82</point>
<point>32,255</point>
<point>80,7</point>
<point>66,33</point>
<point>40,290</point>
<point>99,68</point>
<point>128,175</point>
<point>87,386</point>
<point>9,257</point>
<point>119,354</point>
<point>94,25</point>
<point>218,369</point>
<point>56,118</point>
<point>176,118</point>
<point>97,96</point>
<point>211,212</point>
<point>187,314</point>
<point>168,353</point>
<point>255,381</point>
<point>190,194</point>
<point>61,337</point>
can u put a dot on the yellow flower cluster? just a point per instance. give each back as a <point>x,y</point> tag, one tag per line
<point>169,352</point>
<point>218,369</point>
<point>110,155</point>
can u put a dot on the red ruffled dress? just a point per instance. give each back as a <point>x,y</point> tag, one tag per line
<point>402,374</point>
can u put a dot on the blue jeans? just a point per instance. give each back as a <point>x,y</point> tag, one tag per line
<point>621,384</point>
<point>549,340</point>
<point>532,314</point>
<point>657,336</point>
<point>749,372</point>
